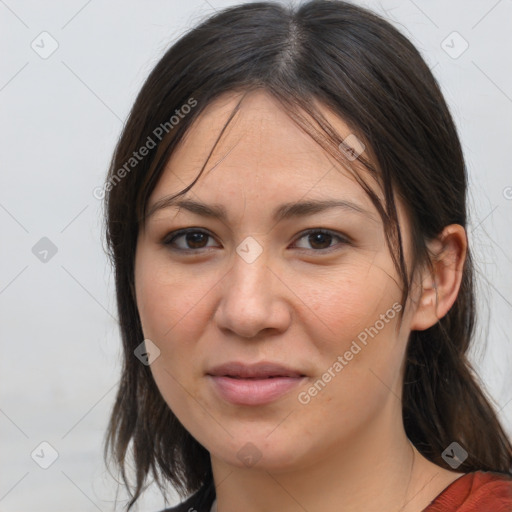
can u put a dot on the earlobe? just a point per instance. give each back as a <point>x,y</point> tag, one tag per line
<point>440,286</point>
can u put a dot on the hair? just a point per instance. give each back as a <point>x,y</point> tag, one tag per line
<point>371,76</point>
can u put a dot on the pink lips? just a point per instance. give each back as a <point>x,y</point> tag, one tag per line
<point>255,384</point>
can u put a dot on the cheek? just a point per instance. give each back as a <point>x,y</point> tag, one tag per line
<point>169,298</point>
<point>358,375</point>
<point>354,330</point>
<point>171,308</point>
<point>346,302</point>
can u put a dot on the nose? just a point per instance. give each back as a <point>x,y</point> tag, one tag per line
<point>254,298</point>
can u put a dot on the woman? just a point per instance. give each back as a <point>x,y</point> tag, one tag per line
<point>286,215</point>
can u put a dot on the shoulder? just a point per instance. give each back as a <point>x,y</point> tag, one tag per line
<point>474,492</point>
<point>200,501</point>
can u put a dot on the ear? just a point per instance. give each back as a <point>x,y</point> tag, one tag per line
<point>439,289</point>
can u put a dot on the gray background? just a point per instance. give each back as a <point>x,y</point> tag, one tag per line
<point>60,118</point>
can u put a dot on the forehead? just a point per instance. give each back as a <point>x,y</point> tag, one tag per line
<point>262,154</point>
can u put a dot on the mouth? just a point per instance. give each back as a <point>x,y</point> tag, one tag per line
<point>258,384</point>
<point>260,377</point>
<point>263,370</point>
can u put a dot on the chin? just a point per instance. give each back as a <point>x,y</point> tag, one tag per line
<point>259,452</point>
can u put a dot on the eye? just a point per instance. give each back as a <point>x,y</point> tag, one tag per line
<point>321,239</point>
<point>191,239</point>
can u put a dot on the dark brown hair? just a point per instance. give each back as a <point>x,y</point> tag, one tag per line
<point>372,77</point>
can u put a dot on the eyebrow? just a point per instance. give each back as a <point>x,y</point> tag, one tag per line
<point>284,211</point>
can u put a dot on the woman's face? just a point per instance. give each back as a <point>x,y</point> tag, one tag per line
<point>309,288</point>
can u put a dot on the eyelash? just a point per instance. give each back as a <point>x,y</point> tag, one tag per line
<point>172,237</point>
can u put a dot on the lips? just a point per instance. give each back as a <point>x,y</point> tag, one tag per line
<point>253,385</point>
<point>260,370</point>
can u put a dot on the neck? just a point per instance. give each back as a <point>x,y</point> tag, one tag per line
<point>377,469</point>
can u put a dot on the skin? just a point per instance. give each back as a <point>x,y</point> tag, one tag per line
<point>301,303</point>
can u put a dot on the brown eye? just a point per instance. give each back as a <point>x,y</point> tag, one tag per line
<point>196,240</point>
<point>321,240</point>
<point>189,240</point>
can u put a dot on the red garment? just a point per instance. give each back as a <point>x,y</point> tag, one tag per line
<point>480,491</point>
